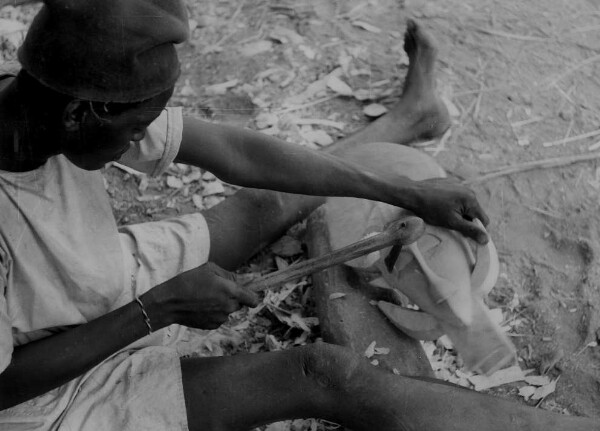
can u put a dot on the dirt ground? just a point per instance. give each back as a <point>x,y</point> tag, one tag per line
<point>522,85</point>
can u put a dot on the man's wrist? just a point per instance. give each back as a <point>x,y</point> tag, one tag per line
<point>157,307</point>
<point>403,192</point>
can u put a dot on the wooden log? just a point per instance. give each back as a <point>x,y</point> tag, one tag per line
<point>352,320</point>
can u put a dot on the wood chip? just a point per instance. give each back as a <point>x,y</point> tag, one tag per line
<point>197,200</point>
<point>374,110</point>
<point>499,378</point>
<point>219,89</point>
<point>255,48</point>
<point>213,188</point>
<point>370,350</point>
<point>336,295</point>
<point>537,380</point>
<point>174,182</point>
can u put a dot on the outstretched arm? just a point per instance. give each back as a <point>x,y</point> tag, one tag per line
<point>202,297</point>
<point>251,159</point>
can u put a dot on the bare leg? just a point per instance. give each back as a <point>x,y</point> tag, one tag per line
<point>251,219</point>
<point>330,382</point>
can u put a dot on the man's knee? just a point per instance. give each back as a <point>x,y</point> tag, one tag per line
<point>329,366</point>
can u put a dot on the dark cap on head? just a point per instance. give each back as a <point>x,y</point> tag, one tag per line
<point>106,50</point>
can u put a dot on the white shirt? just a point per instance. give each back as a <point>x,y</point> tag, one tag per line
<point>60,254</point>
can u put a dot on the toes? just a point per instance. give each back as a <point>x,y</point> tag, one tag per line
<point>410,41</point>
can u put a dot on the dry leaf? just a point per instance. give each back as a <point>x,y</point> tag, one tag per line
<point>272,343</point>
<point>339,86</point>
<point>308,52</point>
<point>265,120</point>
<point>527,391</point>
<point>363,94</point>
<point>544,391</point>
<point>374,110</point>
<point>366,26</point>
<point>195,175</point>
<point>174,182</point>
<point>293,320</point>
<point>285,35</point>
<point>287,246</point>
<point>336,295</point>
<point>281,263</point>
<point>318,137</point>
<point>218,89</point>
<point>255,48</point>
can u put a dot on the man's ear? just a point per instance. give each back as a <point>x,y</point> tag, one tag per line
<point>74,114</point>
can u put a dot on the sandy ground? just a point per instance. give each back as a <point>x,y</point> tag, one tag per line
<point>521,82</point>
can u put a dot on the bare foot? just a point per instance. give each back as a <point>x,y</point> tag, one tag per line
<point>419,114</point>
<point>419,100</point>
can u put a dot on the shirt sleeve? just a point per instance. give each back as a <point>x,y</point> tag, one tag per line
<point>153,154</point>
<point>6,340</point>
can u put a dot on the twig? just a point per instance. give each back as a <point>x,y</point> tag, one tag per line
<point>512,35</point>
<point>572,69</point>
<point>572,139</point>
<point>542,211</point>
<point>522,123</point>
<point>442,144</point>
<point>585,29</point>
<point>352,11</point>
<point>538,164</point>
<point>481,76</point>
<point>483,90</point>
<point>306,105</point>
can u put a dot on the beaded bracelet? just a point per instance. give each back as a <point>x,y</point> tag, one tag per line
<point>146,318</point>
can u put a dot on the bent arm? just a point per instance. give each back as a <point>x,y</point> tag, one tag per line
<point>251,159</point>
<point>45,364</point>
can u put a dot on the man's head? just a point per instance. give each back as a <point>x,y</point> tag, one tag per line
<point>105,69</point>
<point>106,51</point>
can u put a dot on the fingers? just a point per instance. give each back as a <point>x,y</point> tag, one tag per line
<point>476,212</point>
<point>472,230</point>
<point>246,297</point>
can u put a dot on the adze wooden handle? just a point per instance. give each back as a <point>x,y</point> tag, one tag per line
<point>404,231</point>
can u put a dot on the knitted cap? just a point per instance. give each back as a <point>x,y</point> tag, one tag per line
<point>106,50</point>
